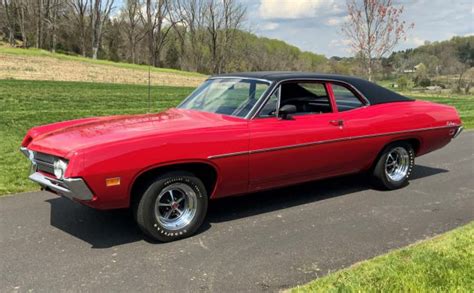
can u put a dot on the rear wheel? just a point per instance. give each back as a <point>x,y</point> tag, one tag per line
<point>394,166</point>
<point>173,206</point>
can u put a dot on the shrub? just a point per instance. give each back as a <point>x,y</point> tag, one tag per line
<point>402,82</point>
<point>424,82</point>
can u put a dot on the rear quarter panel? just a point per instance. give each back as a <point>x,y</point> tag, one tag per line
<point>374,127</point>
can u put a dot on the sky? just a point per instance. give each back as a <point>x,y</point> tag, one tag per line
<point>315,25</point>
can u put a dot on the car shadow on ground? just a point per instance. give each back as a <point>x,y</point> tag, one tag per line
<point>105,229</point>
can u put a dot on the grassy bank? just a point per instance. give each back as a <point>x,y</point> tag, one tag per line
<point>24,104</point>
<point>35,64</point>
<point>32,52</point>
<point>442,264</point>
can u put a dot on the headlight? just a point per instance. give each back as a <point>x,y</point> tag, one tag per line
<point>60,168</point>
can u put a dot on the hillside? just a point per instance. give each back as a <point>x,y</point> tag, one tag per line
<point>34,64</point>
<point>439,57</point>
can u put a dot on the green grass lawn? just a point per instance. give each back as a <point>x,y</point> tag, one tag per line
<point>442,264</point>
<point>24,104</point>
<point>463,103</point>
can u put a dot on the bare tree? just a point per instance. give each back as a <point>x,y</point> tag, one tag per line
<point>214,18</point>
<point>158,24</point>
<point>192,14</point>
<point>100,12</point>
<point>10,13</point>
<point>79,8</point>
<point>39,22</point>
<point>233,14</point>
<point>54,10</point>
<point>209,25</point>
<point>374,28</point>
<point>131,21</point>
<point>149,22</point>
<point>23,13</point>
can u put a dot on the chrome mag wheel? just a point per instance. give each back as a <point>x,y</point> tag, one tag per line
<point>397,164</point>
<point>176,206</point>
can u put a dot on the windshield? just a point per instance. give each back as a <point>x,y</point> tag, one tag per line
<point>228,96</point>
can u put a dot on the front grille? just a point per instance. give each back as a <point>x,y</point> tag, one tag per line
<point>44,162</point>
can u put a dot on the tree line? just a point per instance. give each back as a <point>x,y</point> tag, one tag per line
<point>207,36</point>
<point>447,64</point>
<point>210,36</point>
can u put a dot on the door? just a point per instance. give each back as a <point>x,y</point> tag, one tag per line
<point>307,146</point>
<point>359,121</point>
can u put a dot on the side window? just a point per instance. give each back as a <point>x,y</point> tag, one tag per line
<point>269,110</point>
<point>345,99</point>
<point>308,97</point>
<point>317,89</point>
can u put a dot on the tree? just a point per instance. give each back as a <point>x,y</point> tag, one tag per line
<point>79,8</point>
<point>10,13</point>
<point>374,28</point>
<point>421,74</point>
<point>131,22</point>
<point>39,16</point>
<point>465,54</point>
<point>23,12</point>
<point>100,12</point>
<point>53,10</point>
<point>469,77</point>
<point>192,16</point>
<point>223,19</point>
<point>157,14</point>
<point>402,82</point>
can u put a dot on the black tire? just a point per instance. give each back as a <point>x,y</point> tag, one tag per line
<point>380,176</point>
<point>147,218</point>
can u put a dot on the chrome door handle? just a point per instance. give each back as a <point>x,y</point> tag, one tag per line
<point>339,123</point>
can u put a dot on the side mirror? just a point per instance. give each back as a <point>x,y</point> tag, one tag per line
<point>286,111</point>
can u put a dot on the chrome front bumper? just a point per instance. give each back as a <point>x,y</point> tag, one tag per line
<point>73,188</point>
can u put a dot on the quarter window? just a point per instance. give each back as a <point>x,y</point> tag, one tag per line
<point>269,110</point>
<point>345,99</point>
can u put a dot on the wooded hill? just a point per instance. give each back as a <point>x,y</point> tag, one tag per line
<point>192,35</point>
<point>446,64</point>
<point>206,37</point>
<point>440,58</point>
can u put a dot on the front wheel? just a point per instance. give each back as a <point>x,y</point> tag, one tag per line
<point>394,166</point>
<point>172,207</point>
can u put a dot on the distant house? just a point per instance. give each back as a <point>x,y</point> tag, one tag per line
<point>414,68</point>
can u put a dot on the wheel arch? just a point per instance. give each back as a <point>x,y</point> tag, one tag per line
<point>415,142</point>
<point>204,170</point>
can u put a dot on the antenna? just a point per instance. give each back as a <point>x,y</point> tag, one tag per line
<point>149,88</point>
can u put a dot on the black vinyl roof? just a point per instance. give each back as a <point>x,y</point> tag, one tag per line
<point>374,93</point>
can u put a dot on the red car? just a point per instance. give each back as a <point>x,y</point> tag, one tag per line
<point>233,135</point>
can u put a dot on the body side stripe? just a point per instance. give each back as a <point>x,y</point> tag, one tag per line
<point>326,141</point>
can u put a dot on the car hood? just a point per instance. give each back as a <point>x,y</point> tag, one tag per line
<point>63,138</point>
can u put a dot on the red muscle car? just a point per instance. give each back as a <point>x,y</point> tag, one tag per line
<point>235,134</point>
